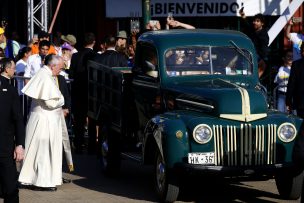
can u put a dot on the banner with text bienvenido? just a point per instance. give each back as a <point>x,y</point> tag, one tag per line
<point>195,8</point>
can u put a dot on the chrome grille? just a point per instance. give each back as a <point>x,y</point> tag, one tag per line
<point>244,145</point>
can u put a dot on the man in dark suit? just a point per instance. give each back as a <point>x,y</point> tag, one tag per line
<point>79,91</point>
<point>64,89</point>
<point>295,87</point>
<point>12,135</point>
<point>295,101</point>
<point>111,57</point>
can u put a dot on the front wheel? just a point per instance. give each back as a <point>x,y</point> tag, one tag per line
<point>165,188</point>
<point>290,186</point>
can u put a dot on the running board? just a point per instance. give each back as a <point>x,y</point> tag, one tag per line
<point>133,156</point>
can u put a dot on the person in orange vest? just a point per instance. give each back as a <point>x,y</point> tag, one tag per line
<point>42,35</point>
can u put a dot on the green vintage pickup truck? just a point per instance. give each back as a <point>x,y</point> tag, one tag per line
<point>192,103</point>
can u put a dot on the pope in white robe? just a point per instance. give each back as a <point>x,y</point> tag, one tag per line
<point>42,165</point>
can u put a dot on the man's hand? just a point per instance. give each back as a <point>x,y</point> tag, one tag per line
<point>289,109</point>
<point>290,22</point>
<point>19,153</point>
<point>242,13</point>
<point>174,23</point>
<point>65,112</point>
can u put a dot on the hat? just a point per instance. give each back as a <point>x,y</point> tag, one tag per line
<point>71,39</point>
<point>1,30</point>
<point>122,34</point>
<point>67,46</point>
<point>43,34</point>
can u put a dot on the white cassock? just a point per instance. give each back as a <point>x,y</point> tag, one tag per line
<point>42,165</point>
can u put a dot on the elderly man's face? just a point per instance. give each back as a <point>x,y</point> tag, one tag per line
<point>57,68</point>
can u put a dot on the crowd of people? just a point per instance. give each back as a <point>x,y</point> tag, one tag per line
<point>46,66</point>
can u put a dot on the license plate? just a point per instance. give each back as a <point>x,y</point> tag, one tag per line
<point>201,158</point>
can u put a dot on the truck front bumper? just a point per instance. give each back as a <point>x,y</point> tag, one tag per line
<point>231,171</point>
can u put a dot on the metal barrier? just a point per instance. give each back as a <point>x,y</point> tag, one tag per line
<point>25,100</point>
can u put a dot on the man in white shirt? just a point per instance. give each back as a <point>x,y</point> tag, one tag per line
<point>282,80</point>
<point>36,61</point>
<point>296,39</point>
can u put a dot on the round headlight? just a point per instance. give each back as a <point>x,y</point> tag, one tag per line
<point>202,133</point>
<point>287,132</point>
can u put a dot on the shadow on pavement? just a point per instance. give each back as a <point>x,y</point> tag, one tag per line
<point>135,182</point>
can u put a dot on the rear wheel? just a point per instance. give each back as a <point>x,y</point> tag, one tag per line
<point>110,152</point>
<point>289,186</point>
<point>165,188</point>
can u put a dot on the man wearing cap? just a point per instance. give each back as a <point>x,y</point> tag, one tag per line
<point>71,39</point>
<point>10,47</point>
<point>121,43</point>
<point>2,37</point>
<point>42,35</point>
<point>66,54</point>
<point>121,39</point>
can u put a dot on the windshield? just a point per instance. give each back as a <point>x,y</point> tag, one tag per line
<point>208,61</point>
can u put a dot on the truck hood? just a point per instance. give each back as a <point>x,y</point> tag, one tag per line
<point>221,98</point>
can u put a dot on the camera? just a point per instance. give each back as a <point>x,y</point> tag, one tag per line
<point>134,26</point>
<point>170,16</point>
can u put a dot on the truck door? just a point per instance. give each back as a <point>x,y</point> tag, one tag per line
<point>146,83</point>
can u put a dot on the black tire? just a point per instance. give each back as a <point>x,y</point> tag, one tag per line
<point>289,186</point>
<point>166,189</point>
<point>110,152</point>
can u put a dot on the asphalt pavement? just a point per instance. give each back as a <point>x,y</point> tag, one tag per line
<point>89,185</point>
<point>134,184</point>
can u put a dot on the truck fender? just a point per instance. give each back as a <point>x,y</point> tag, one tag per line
<point>169,136</point>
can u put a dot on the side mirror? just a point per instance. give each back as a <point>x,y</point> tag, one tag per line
<point>148,66</point>
<point>150,69</point>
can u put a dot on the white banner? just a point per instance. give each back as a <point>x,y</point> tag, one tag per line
<point>195,8</point>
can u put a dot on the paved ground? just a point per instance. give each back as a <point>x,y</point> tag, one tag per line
<point>88,185</point>
<point>134,184</point>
